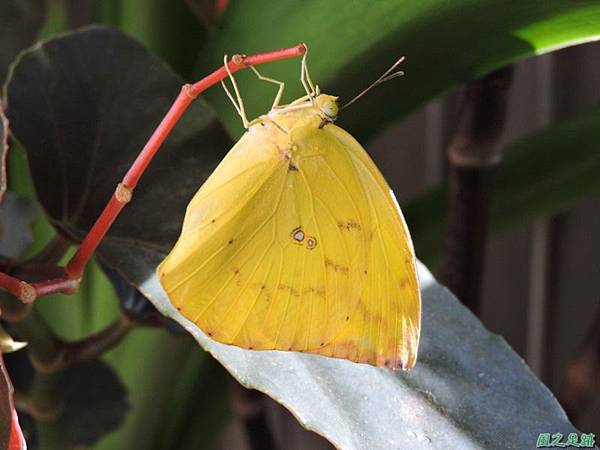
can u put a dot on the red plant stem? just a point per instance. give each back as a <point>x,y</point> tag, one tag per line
<point>189,92</point>
<point>55,286</point>
<point>27,292</point>
<point>11,284</point>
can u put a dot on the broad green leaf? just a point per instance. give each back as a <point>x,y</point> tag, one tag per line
<point>541,175</point>
<point>469,390</point>
<point>351,42</point>
<point>199,407</point>
<point>167,27</point>
<point>208,11</point>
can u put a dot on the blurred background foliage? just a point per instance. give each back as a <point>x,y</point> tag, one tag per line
<point>447,44</point>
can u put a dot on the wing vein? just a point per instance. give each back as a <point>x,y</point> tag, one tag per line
<point>322,251</point>
<point>267,249</point>
<point>240,248</point>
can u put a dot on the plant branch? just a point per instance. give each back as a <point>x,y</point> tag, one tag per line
<point>582,374</point>
<point>50,354</point>
<point>69,283</point>
<point>95,345</point>
<point>473,155</point>
<point>248,406</point>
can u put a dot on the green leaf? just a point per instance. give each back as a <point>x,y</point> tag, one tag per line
<point>469,390</point>
<point>167,27</point>
<point>541,175</point>
<point>83,127</point>
<point>208,11</point>
<point>352,42</point>
<point>199,407</point>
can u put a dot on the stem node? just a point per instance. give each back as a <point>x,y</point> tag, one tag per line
<point>28,293</point>
<point>123,193</point>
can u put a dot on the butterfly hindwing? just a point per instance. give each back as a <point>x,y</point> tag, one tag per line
<point>384,330</point>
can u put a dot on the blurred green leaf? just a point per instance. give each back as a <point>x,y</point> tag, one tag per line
<point>352,42</point>
<point>20,22</point>
<point>153,363</point>
<point>208,11</point>
<point>541,175</point>
<point>199,406</point>
<point>168,28</point>
<point>467,390</point>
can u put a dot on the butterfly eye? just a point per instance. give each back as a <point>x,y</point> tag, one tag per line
<point>331,109</point>
<point>328,106</point>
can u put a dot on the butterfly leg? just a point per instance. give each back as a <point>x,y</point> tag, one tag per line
<point>271,80</point>
<point>239,105</point>
<point>309,87</point>
<point>68,282</point>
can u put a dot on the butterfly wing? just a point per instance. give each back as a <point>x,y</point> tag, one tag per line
<point>384,329</point>
<point>274,245</point>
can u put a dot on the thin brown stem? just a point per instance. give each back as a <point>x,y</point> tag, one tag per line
<point>248,406</point>
<point>582,374</point>
<point>95,345</point>
<point>49,354</point>
<point>473,155</point>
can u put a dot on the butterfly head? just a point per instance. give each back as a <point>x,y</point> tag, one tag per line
<point>327,106</point>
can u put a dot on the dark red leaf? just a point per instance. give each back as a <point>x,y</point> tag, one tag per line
<point>3,150</point>
<point>11,437</point>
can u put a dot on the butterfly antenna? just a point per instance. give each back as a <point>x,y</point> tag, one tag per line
<point>386,76</point>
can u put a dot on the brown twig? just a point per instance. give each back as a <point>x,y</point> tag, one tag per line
<point>473,155</point>
<point>49,354</point>
<point>248,406</point>
<point>95,345</point>
<point>582,374</point>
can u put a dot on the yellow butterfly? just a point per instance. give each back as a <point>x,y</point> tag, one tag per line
<point>296,242</point>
